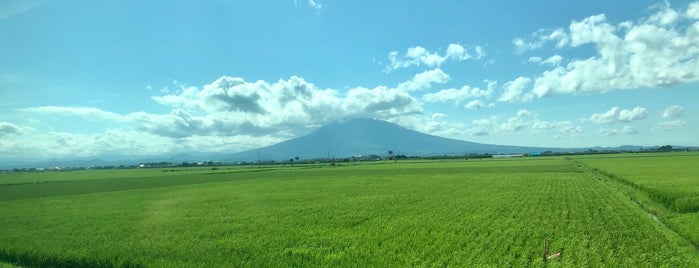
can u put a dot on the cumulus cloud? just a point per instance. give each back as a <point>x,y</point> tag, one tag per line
<point>475,104</point>
<point>615,115</point>
<point>513,90</point>
<point>425,80</point>
<point>519,122</point>
<point>629,130</point>
<point>232,107</point>
<point>673,111</point>
<point>568,127</point>
<point>534,59</point>
<point>457,95</point>
<point>436,124</point>
<point>553,60</point>
<point>380,102</point>
<point>416,56</point>
<point>607,117</point>
<point>668,125</point>
<point>693,11</point>
<point>483,127</point>
<point>541,125</point>
<point>295,103</point>
<point>541,37</point>
<point>524,120</point>
<point>7,128</point>
<point>655,52</point>
<point>514,124</point>
<point>636,113</point>
<point>524,113</point>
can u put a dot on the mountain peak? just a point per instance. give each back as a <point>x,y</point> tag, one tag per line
<point>364,136</point>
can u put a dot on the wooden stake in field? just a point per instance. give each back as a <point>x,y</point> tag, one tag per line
<point>546,256</point>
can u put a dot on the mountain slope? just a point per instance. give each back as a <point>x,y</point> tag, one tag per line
<point>370,136</point>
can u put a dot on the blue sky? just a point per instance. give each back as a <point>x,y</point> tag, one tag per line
<point>141,78</point>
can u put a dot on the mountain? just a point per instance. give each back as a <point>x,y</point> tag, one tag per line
<point>369,136</point>
<point>338,140</point>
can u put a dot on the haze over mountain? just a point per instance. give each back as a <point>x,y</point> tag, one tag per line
<point>341,139</point>
<point>361,136</point>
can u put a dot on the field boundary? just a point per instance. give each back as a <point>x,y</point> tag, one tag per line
<point>638,190</point>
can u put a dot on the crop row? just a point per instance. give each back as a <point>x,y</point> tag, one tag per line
<point>453,214</point>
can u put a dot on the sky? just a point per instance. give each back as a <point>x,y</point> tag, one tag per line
<point>84,79</point>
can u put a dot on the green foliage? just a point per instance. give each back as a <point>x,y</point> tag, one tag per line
<point>430,213</point>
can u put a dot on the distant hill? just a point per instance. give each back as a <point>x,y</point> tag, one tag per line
<point>369,136</point>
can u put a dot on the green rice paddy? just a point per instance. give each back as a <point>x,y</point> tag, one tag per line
<point>463,213</point>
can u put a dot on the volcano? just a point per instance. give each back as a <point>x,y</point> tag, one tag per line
<point>360,136</point>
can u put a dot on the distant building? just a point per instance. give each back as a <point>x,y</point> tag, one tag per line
<point>506,155</point>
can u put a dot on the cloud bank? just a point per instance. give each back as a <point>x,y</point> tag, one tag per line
<point>659,51</point>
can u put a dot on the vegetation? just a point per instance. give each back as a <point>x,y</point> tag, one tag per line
<point>463,213</point>
<point>669,180</point>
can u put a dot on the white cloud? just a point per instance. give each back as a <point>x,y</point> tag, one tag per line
<point>524,121</point>
<point>475,104</point>
<point>665,15</point>
<point>227,115</point>
<point>615,115</point>
<point>541,37</point>
<point>673,111</point>
<point>629,130</point>
<point>554,60</point>
<point>658,52</point>
<point>609,132</point>
<point>315,5</point>
<point>513,124</point>
<point>636,113</point>
<point>693,11</point>
<point>524,113</point>
<point>127,143</point>
<point>483,127</point>
<point>438,116</point>
<point>380,102</point>
<point>87,112</point>
<point>458,52</point>
<point>513,90</point>
<point>607,117</point>
<point>668,125</point>
<point>541,125</point>
<point>437,125</point>
<point>534,59</point>
<point>519,122</point>
<point>568,127</point>
<point>7,128</point>
<point>458,95</point>
<point>416,56</point>
<point>424,80</point>
<point>232,107</point>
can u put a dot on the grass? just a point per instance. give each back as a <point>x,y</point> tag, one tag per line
<point>435,213</point>
<point>669,180</point>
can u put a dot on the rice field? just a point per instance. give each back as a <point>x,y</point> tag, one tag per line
<point>461,213</point>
